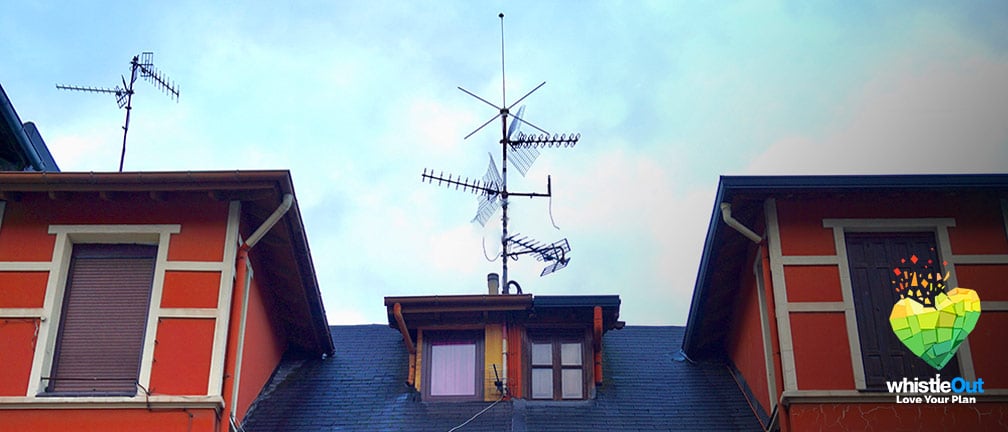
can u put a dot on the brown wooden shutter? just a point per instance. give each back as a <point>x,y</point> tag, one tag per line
<point>104,319</point>
<point>872,257</point>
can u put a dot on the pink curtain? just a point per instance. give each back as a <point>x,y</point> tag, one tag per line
<point>453,370</point>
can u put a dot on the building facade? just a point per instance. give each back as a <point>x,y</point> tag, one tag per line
<point>799,281</point>
<point>149,301</point>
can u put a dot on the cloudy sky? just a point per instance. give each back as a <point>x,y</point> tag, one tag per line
<point>358,98</point>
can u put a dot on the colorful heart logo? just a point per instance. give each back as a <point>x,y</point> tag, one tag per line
<point>934,333</point>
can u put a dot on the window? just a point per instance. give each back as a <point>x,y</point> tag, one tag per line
<point>557,367</point>
<point>453,366</point>
<point>103,320</point>
<point>871,258</point>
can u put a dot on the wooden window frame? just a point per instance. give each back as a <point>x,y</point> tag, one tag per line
<point>431,338</point>
<point>556,338</point>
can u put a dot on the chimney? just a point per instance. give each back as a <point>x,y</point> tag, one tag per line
<point>493,284</point>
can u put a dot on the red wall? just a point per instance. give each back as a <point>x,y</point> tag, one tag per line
<point>109,420</point>
<point>745,341</point>
<point>893,417</point>
<point>821,347</point>
<point>820,338</point>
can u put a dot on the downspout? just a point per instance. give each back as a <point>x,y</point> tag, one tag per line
<point>734,223</point>
<point>245,278</point>
<point>597,339</point>
<point>504,358</point>
<point>410,347</point>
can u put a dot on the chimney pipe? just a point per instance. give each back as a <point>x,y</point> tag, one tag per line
<point>493,283</point>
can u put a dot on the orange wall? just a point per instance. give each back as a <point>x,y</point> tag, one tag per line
<point>17,347</point>
<point>183,345</point>
<point>25,235</point>
<point>108,420</point>
<point>264,346</point>
<point>23,289</point>
<point>190,289</point>
<point>893,417</point>
<point>182,356</point>
<point>515,363</point>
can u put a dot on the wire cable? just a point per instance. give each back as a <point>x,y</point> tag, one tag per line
<point>476,415</point>
<point>485,253</point>
<point>551,212</point>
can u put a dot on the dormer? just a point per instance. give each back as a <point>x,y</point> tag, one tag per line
<point>494,346</point>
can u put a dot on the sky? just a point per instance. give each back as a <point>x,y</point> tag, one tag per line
<point>356,99</point>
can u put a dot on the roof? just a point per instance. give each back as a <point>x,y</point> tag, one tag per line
<point>724,251</point>
<point>362,388</point>
<point>21,145</point>
<point>285,247</point>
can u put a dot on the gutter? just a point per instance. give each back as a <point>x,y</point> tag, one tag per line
<point>734,223</point>
<point>244,275</point>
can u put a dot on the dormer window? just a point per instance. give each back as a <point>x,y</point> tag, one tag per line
<point>453,366</point>
<point>557,366</point>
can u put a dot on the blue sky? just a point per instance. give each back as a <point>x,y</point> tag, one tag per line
<point>357,98</point>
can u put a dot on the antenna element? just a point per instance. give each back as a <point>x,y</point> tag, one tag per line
<point>144,64</point>
<point>522,150</point>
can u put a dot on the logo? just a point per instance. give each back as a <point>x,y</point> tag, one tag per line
<point>929,319</point>
<point>957,390</point>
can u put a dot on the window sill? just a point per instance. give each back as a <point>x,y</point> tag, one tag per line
<point>85,394</point>
<point>100,402</point>
<point>563,403</point>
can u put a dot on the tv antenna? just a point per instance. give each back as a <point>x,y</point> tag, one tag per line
<point>144,64</point>
<point>521,149</point>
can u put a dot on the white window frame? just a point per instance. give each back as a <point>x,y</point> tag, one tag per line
<point>66,237</point>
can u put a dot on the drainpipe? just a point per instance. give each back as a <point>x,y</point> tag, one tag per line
<point>504,358</point>
<point>244,277</point>
<point>410,347</point>
<point>597,339</point>
<point>732,222</point>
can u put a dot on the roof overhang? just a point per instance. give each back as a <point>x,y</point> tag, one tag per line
<point>454,309</point>
<point>724,251</point>
<point>21,146</point>
<point>462,310</point>
<point>283,255</point>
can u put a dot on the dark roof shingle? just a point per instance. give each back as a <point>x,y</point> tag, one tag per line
<point>362,388</point>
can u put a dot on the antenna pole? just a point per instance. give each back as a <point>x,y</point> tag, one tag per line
<point>493,185</point>
<point>129,107</point>
<point>504,193</point>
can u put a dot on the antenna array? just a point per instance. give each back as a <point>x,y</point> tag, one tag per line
<point>142,65</point>
<point>521,150</point>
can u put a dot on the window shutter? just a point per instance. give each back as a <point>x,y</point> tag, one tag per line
<point>871,257</point>
<point>104,319</point>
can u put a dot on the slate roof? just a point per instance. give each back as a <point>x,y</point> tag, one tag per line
<point>361,388</point>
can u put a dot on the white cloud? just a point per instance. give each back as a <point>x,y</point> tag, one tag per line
<point>938,111</point>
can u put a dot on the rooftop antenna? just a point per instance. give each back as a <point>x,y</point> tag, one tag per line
<point>521,150</point>
<point>144,64</point>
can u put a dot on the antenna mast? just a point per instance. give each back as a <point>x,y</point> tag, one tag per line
<point>144,64</point>
<point>522,150</point>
